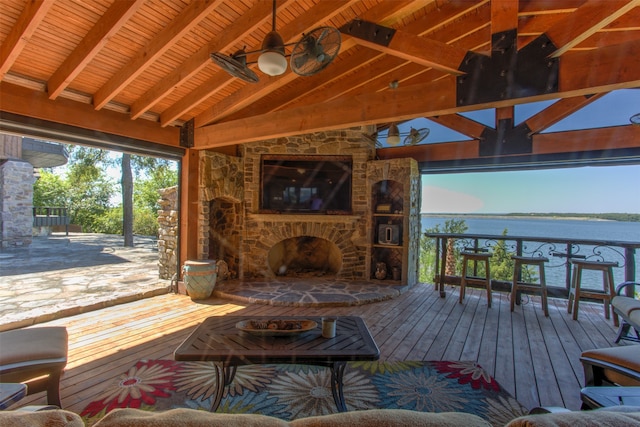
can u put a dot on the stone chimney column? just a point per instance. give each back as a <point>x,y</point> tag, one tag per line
<point>16,195</point>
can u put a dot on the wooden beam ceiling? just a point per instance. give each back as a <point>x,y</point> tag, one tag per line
<point>142,68</point>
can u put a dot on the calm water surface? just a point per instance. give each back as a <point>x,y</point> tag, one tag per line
<point>556,228</point>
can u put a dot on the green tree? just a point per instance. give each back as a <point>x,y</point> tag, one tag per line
<point>87,191</point>
<point>90,188</point>
<point>427,269</point>
<point>50,190</point>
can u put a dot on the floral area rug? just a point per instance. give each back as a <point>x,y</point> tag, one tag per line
<point>296,391</point>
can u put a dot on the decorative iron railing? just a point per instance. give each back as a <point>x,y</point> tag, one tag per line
<point>558,251</point>
<point>44,216</point>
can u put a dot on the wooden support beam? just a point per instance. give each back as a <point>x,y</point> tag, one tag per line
<point>461,124</point>
<point>108,25</point>
<point>504,16</point>
<point>185,22</point>
<point>558,111</point>
<point>582,73</point>
<point>421,50</point>
<point>587,140</point>
<point>32,15</point>
<point>32,103</point>
<point>586,21</point>
<point>189,206</point>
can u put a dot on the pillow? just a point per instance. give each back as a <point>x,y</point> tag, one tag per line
<point>128,417</point>
<point>598,418</point>
<point>367,418</point>
<point>392,418</point>
<point>48,418</point>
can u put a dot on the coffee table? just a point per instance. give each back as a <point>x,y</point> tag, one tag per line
<point>218,340</point>
<point>598,397</point>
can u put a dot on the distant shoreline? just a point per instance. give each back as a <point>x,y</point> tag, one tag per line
<point>547,216</point>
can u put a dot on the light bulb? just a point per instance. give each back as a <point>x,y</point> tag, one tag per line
<point>272,63</point>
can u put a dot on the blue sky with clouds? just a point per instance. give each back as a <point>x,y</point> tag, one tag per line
<point>568,190</point>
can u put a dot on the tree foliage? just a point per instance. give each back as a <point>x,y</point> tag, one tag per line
<point>501,262</point>
<point>88,192</point>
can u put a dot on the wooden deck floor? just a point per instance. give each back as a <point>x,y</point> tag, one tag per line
<point>535,358</point>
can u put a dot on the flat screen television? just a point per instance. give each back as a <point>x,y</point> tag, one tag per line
<point>306,184</point>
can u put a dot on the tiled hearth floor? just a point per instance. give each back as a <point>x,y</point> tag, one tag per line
<point>309,291</point>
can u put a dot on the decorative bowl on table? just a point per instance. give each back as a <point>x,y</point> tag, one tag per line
<point>276,327</point>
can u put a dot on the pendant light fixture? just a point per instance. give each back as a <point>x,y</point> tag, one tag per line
<point>393,135</point>
<point>272,60</point>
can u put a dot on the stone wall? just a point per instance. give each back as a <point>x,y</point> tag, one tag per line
<point>348,232</point>
<point>16,203</point>
<point>232,228</point>
<point>168,233</point>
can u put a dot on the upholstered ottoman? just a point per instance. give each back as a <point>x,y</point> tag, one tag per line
<point>613,365</point>
<point>27,354</point>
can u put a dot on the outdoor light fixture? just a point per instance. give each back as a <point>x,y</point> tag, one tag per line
<point>272,60</point>
<point>393,136</point>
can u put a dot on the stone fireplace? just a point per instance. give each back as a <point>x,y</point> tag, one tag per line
<point>259,245</point>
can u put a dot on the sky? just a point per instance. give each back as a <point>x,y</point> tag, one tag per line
<point>600,189</point>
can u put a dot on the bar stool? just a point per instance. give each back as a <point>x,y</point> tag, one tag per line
<point>519,285</point>
<point>485,281</point>
<point>607,293</point>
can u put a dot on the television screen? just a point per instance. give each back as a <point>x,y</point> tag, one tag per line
<point>306,184</point>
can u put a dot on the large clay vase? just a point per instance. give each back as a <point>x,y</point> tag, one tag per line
<point>200,278</point>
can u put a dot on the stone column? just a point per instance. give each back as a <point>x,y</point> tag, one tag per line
<point>168,233</point>
<point>16,197</point>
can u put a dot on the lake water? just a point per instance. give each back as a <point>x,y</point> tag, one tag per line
<point>556,228</point>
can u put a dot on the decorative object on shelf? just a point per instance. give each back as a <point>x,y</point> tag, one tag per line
<point>384,208</point>
<point>635,119</point>
<point>395,273</point>
<point>381,271</point>
<point>389,234</point>
<point>223,270</point>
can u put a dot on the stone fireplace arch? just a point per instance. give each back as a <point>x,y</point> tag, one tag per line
<point>305,256</point>
<point>263,252</point>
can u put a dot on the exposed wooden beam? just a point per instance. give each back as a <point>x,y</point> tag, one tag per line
<point>189,18</point>
<point>504,16</point>
<point>609,68</point>
<point>421,50</point>
<point>577,141</point>
<point>587,140</point>
<point>446,151</point>
<point>461,124</point>
<point>108,25</point>
<point>603,70</point>
<point>32,15</point>
<point>585,21</point>
<point>558,111</point>
<point>32,103</point>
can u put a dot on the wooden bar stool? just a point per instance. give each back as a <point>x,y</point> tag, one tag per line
<point>519,285</point>
<point>606,294</point>
<point>476,257</point>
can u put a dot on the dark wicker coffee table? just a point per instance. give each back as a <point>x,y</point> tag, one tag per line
<point>218,340</point>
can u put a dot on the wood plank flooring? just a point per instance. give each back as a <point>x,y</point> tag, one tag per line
<point>535,358</point>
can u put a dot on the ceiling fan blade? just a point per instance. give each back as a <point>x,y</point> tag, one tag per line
<point>235,65</point>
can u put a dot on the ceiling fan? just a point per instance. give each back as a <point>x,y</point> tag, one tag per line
<point>310,55</point>
<point>394,136</point>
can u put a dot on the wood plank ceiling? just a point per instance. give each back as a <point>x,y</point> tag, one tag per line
<point>141,69</point>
